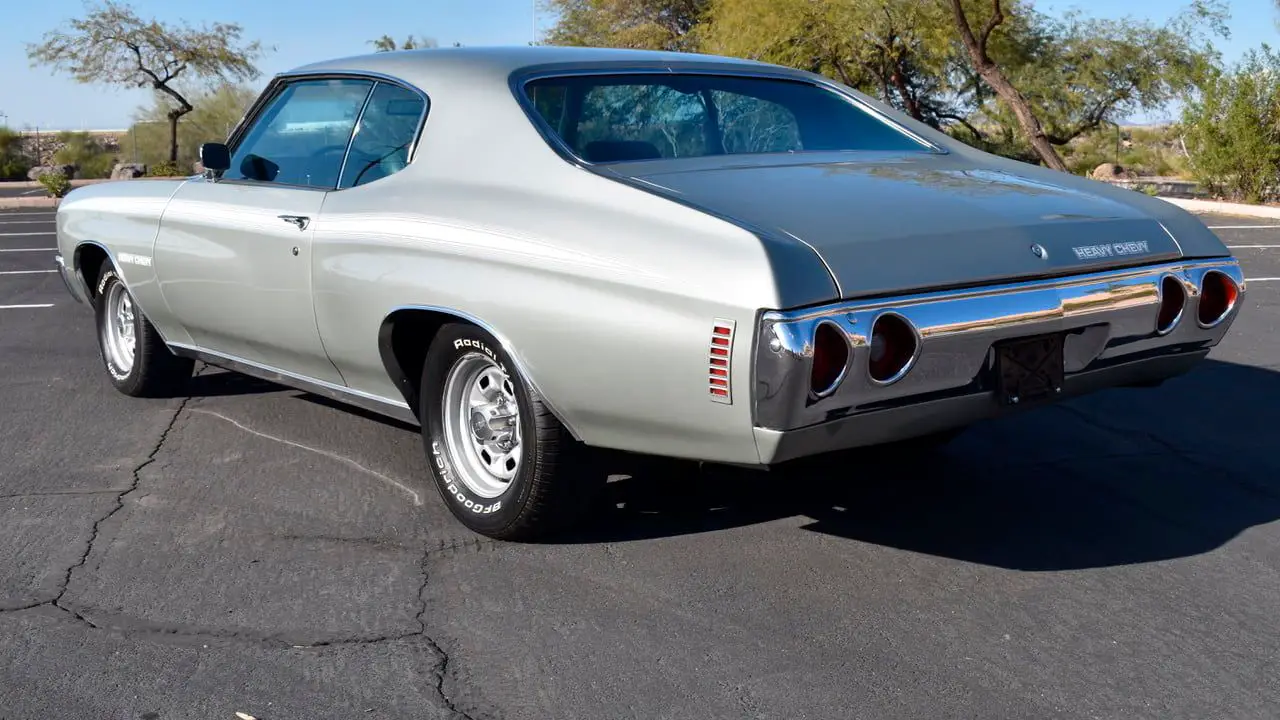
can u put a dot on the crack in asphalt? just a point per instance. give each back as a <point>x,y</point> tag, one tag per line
<point>440,672</point>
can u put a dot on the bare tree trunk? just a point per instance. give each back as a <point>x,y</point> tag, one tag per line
<point>173,137</point>
<point>995,77</point>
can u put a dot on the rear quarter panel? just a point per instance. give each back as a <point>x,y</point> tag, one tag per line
<point>122,217</point>
<point>605,293</point>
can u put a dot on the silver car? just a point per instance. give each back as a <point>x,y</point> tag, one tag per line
<point>533,251</point>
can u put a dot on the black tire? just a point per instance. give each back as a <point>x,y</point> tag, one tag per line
<point>154,371</point>
<point>550,488</point>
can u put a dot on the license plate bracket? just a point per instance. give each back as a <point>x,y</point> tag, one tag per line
<point>1029,369</point>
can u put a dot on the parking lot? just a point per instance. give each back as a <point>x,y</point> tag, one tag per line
<point>255,549</point>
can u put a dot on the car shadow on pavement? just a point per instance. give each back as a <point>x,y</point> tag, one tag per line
<point>223,383</point>
<point>1125,476</point>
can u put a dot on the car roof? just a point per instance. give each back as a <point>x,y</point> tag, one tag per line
<point>487,64</point>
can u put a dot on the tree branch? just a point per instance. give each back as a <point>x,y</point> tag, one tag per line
<point>997,17</point>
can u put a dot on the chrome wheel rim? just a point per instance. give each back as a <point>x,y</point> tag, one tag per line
<point>482,425</point>
<point>118,330</point>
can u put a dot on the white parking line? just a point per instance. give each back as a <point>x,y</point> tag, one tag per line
<point>1242,227</point>
<point>25,272</point>
<point>1249,280</point>
<point>27,249</point>
<point>1251,247</point>
<point>24,307</point>
<point>26,234</point>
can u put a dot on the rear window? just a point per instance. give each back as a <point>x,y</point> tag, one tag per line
<point>615,118</point>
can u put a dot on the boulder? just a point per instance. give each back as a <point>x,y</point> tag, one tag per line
<point>1112,171</point>
<point>128,171</point>
<point>65,170</point>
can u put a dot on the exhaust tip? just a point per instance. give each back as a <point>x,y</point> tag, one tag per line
<point>894,347</point>
<point>830,359</point>
<point>1173,299</point>
<point>1218,296</point>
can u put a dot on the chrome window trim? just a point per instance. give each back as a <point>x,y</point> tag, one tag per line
<point>519,79</point>
<point>282,79</point>
<point>355,130</point>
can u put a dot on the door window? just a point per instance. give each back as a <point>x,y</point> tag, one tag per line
<point>302,135</point>
<point>385,135</point>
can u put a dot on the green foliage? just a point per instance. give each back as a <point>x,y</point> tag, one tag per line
<point>56,184</point>
<point>216,113</point>
<point>165,169</point>
<point>898,50</point>
<point>113,45</point>
<point>1233,129</point>
<point>645,24</point>
<point>386,43</point>
<point>1145,151</point>
<point>1076,74</point>
<point>13,165</point>
<point>86,153</point>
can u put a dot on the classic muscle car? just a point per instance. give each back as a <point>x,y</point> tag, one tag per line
<point>533,251</point>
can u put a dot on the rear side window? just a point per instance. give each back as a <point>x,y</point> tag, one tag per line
<point>384,136</point>
<point>615,118</point>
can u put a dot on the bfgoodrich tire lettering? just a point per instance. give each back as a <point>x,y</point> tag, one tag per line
<point>545,489</point>
<point>136,359</point>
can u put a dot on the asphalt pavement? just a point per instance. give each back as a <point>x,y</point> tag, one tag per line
<point>256,549</point>
<point>15,190</point>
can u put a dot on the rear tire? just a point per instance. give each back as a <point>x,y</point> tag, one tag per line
<point>504,465</point>
<point>138,362</point>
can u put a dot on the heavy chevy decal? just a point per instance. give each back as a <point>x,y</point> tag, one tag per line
<point>1100,252</point>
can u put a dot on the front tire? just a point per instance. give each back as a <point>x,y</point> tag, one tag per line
<point>137,360</point>
<point>505,466</point>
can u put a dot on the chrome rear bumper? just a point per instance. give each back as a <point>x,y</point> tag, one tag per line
<point>1112,340</point>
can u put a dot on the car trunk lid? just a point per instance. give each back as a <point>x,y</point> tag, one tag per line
<point>893,225</point>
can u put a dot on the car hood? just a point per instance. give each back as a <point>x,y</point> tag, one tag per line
<point>890,226</point>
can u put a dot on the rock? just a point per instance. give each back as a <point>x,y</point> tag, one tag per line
<point>1112,171</point>
<point>128,171</point>
<point>64,170</point>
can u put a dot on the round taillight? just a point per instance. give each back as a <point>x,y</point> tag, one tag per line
<point>1173,297</point>
<point>1218,295</point>
<point>830,358</point>
<point>893,348</point>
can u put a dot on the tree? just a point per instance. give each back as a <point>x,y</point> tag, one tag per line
<point>977,45</point>
<point>113,45</point>
<point>896,49</point>
<point>386,43</point>
<point>1063,78</point>
<point>217,111</point>
<point>1233,128</point>
<point>644,24</point>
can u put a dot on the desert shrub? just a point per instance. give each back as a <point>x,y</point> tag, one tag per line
<point>1233,129</point>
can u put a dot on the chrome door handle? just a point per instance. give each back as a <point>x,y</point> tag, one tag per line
<point>299,220</point>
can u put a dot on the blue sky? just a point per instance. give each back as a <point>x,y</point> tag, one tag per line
<point>304,31</point>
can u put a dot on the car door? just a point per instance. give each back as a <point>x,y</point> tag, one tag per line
<point>233,255</point>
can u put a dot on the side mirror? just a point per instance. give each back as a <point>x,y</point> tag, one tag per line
<point>216,159</point>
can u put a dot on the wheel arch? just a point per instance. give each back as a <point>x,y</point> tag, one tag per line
<point>89,261</point>
<point>408,330</point>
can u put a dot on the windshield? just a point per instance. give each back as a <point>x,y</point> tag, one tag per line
<point>613,118</point>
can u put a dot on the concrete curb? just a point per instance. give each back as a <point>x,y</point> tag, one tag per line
<point>28,202</point>
<point>1225,208</point>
